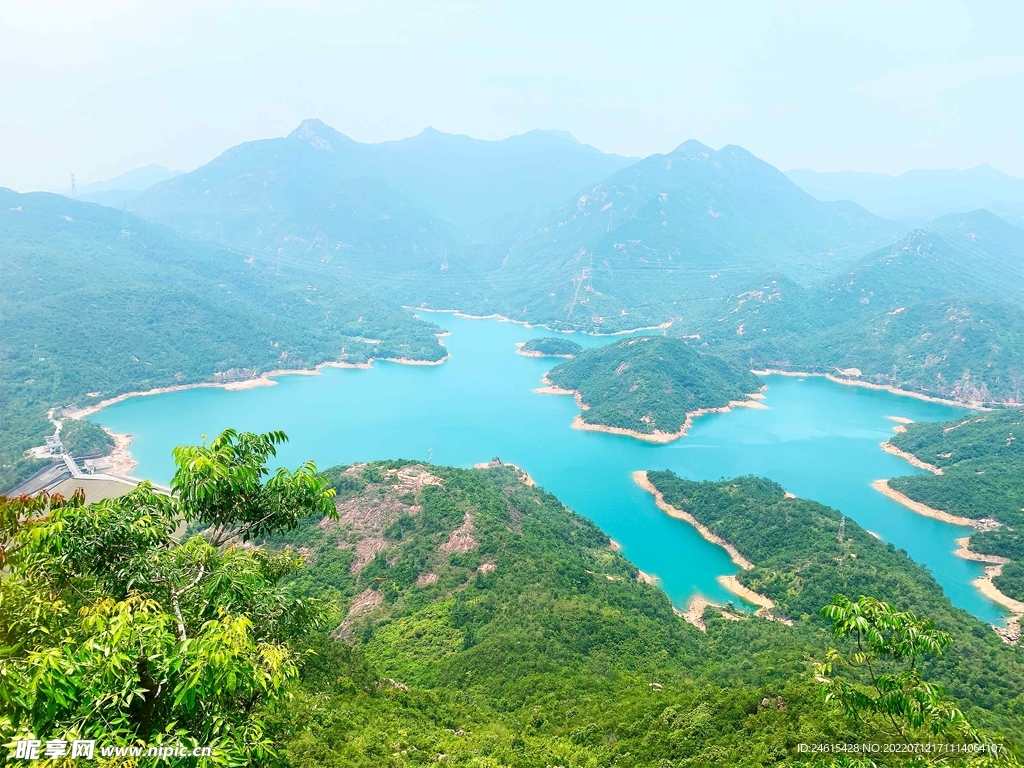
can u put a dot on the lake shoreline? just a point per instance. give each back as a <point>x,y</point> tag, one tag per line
<point>640,478</point>
<point>883,487</point>
<point>985,584</point>
<point>881,387</point>
<point>910,458</point>
<point>122,461</point>
<point>503,319</point>
<point>263,380</point>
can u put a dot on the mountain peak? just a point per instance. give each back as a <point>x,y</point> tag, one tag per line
<point>691,148</point>
<point>319,135</point>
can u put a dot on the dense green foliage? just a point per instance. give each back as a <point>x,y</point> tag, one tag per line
<point>880,684</point>
<point>552,346</point>
<point>800,563</point>
<point>466,617</point>
<point>89,314</point>
<point>939,312</point>
<point>650,383</point>
<point>114,630</point>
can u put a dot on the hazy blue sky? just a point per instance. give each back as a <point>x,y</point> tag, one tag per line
<point>96,88</point>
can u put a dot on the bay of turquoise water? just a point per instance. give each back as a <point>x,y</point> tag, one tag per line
<point>818,439</point>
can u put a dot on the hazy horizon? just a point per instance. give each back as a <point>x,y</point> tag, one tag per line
<point>99,90</point>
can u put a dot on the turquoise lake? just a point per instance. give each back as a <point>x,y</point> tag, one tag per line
<point>818,439</point>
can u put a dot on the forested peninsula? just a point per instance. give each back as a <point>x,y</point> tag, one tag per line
<point>650,387</point>
<point>978,474</point>
<point>803,552</point>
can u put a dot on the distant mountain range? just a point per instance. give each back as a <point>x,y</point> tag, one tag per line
<point>921,195</point>
<point>117,191</point>
<point>317,195</point>
<point>537,226</point>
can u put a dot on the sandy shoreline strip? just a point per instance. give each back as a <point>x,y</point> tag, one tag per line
<point>647,578</point>
<point>989,590</point>
<point>985,584</point>
<point>733,585</point>
<point>640,478</point>
<point>534,353</point>
<point>882,486</point>
<point>121,461</point>
<point>871,385</point>
<point>657,436</point>
<point>694,613</point>
<point>263,380</point>
<point>964,552</point>
<point>910,458</point>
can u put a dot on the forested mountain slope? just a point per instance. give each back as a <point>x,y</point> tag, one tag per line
<point>675,234</point>
<point>90,312</point>
<point>472,615</point>
<point>939,312</point>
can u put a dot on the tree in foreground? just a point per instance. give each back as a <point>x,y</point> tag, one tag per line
<point>111,628</point>
<point>884,689</point>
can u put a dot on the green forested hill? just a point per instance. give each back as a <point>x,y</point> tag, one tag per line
<point>982,462</point>
<point>474,617</point>
<point>939,312</point>
<point>89,313</point>
<point>974,254</point>
<point>649,384</point>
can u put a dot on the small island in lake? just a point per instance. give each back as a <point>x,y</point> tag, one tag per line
<point>550,347</point>
<point>650,387</point>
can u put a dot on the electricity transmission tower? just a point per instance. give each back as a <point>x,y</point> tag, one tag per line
<point>74,189</point>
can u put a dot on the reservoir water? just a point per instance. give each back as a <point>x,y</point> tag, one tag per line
<point>818,439</point>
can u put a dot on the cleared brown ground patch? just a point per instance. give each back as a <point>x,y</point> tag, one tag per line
<point>364,602</point>
<point>461,539</point>
<point>366,550</point>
